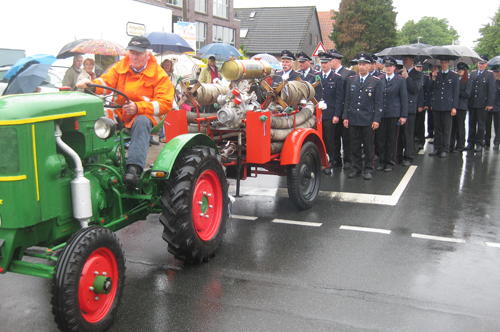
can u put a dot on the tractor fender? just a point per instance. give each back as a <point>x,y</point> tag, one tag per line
<point>290,153</point>
<point>168,155</point>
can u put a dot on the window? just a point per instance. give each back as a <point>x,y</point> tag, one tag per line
<point>201,34</point>
<point>175,19</point>
<point>175,2</point>
<point>252,14</point>
<point>9,158</point>
<point>221,8</point>
<point>222,34</point>
<point>310,39</point>
<point>200,6</point>
<point>243,32</point>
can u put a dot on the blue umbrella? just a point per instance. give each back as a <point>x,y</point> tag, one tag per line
<point>166,41</point>
<point>28,79</point>
<point>37,58</point>
<point>221,51</point>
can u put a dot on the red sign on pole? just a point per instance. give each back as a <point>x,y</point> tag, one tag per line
<point>320,48</point>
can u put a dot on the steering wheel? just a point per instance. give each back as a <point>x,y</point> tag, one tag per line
<point>108,100</point>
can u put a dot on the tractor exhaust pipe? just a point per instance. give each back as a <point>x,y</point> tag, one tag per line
<point>80,186</point>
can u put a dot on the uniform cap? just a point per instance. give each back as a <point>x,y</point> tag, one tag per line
<point>418,63</point>
<point>325,57</point>
<point>335,54</point>
<point>301,56</point>
<point>484,59</point>
<point>363,57</point>
<point>462,65</point>
<point>495,68</point>
<point>139,44</point>
<point>390,61</point>
<point>287,55</point>
<point>374,58</point>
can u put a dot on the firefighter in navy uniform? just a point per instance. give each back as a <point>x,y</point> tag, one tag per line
<point>420,117</point>
<point>305,71</point>
<point>341,136</point>
<point>445,87</point>
<point>362,115</point>
<point>394,115</point>
<point>481,101</point>
<point>373,66</point>
<point>287,60</point>
<point>333,96</point>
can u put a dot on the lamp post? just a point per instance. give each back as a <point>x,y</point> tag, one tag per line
<point>418,39</point>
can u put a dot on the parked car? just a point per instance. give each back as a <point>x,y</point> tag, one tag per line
<point>52,82</point>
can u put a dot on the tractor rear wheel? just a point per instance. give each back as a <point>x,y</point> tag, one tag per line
<point>88,281</point>
<point>195,205</point>
<point>304,178</point>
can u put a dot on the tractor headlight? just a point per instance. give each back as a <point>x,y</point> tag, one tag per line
<point>104,127</point>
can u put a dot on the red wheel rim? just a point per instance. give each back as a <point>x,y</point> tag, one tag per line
<point>94,307</point>
<point>207,205</point>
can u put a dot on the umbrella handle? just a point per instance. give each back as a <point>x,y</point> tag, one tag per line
<point>108,103</point>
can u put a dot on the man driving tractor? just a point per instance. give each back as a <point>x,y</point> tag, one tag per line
<point>151,95</point>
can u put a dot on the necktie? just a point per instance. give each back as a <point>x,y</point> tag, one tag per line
<point>362,80</point>
<point>324,76</point>
<point>479,73</point>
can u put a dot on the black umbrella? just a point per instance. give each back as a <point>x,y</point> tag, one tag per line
<point>495,61</point>
<point>27,80</point>
<point>65,51</point>
<point>441,52</point>
<point>167,41</point>
<point>399,52</point>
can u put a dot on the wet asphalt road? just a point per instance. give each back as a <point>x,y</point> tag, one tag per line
<point>327,276</point>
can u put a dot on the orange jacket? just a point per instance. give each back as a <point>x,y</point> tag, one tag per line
<point>151,90</point>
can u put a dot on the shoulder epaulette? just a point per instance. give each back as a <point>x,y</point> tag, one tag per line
<point>401,76</point>
<point>491,71</point>
<point>454,72</point>
<point>378,78</point>
<point>338,74</point>
<point>353,76</point>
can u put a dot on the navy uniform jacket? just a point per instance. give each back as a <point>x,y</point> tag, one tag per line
<point>464,95</point>
<point>445,91</point>
<point>291,77</point>
<point>310,77</point>
<point>395,97</point>
<point>483,89</point>
<point>413,84</point>
<point>496,106</point>
<point>333,95</point>
<point>363,102</point>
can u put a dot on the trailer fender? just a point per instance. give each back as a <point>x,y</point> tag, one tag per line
<point>168,155</point>
<point>290,153</point>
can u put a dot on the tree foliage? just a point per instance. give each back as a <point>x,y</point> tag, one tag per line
<point>489,42</point>
<point>433,31</point>
<point>364,26</point>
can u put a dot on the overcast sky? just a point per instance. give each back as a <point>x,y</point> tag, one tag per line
<point>461,15</point>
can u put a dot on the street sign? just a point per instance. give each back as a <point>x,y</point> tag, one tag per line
<point>135,29</point>
<point>320,48</point>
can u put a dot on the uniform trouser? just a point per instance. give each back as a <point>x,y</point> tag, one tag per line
<point>420,127</point>
<point>430,123</point>
<point>341,139</point>
<point>328,134</point>
<point>442,130</point>
<point>406,139</point>
<point>139,141</point>
<point>477,118</point>
<point>457,141</point>
<point>362,135</point>
<point>495,118</point>
<point>386,139</point>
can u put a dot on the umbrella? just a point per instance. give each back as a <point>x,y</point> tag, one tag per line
<point>467,55</point>
<point>37,58</point>
<point>495,61</point>
<point>166,41</point>
<point>98,46</point>
<point>27,80</point>
<point>65,51</point>
<point>438,52</point>
<point>273,61</point>
<point>398,52</point>
<point>221,51</point>
<point>183,65</point>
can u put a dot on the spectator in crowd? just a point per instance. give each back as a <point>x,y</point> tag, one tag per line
<point>71,75</point>
<point>457,143</point>
<point>88,70</point>
<point>210,73</point>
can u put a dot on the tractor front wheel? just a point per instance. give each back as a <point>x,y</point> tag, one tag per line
<point>304,178</point>
<point>195,205</point>
<point>88,281</point>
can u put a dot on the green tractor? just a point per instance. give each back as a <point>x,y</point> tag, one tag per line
<point>62,197</point>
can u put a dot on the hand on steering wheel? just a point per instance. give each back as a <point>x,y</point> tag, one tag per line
<point>109,99</point>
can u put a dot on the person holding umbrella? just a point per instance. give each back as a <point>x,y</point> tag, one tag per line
<point>151,94</point>
<point>457,143</point>
<point>445,87</point>
<point>71,75</point>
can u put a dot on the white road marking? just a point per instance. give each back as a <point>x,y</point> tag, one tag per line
<point>436,238</point>
<point>342,196</point>
<point>236,216</point>
<point>493,244</point>
<point>300,223</point>
<point>366,229</point>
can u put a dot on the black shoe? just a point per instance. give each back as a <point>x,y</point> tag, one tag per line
<point>431,142</point>
<point>429,136</point>
<point>420,146</point>
<point>406,163</point>
<point>478,149</point>
<point>381,167</point>
<point>367,176</point>
<point>337,164</point>
<point>347,165</point>
<point>133,175</point>
<point>469,147</point>
<point>328,170</point>
<point>152,141</point>
<point>388,168</point>
<point>435,153</point>
<point>443,154</point>
<point>354,174</point>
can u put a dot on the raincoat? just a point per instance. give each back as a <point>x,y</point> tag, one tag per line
<point>151,89</point>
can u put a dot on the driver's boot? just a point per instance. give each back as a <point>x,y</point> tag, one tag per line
<point>132,176</point>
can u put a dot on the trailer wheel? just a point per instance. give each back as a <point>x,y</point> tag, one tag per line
<point>304,178</point>
<point>88,281</point>
<point>195,205</point>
